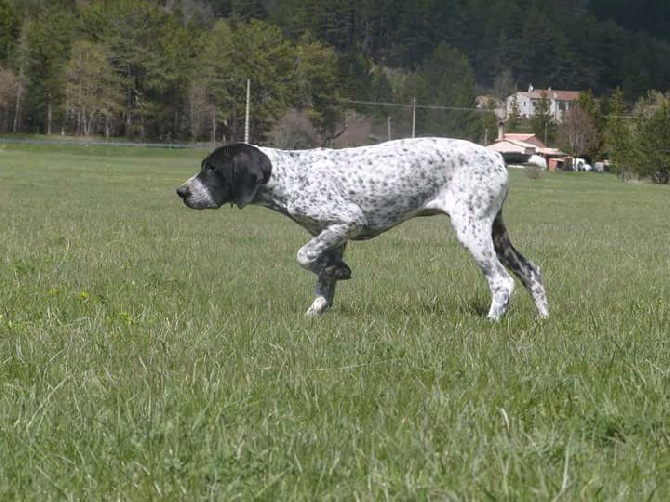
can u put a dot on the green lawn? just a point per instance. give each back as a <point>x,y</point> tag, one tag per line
<point>148,351</point>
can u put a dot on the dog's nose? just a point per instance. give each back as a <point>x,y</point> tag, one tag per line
<point>183,192</point>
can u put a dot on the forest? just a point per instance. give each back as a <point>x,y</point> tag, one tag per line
<point>177,70</point>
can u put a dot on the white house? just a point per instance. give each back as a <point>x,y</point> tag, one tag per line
<point>559,101</point>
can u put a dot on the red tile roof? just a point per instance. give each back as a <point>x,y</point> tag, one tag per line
<point>525,138</point>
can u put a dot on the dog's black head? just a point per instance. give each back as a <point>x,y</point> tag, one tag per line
<point>230,173</point>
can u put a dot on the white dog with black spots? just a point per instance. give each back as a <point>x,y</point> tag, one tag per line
<point>358,193</point>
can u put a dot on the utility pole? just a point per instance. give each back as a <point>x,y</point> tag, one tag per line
<point>213,127</point>
<point>414,117</point>
<point>246,114</point>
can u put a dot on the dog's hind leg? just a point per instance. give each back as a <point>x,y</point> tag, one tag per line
<point>525,270</point>
<point>474,234</point>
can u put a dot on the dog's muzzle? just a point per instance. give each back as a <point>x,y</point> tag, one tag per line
<point>195,195</point>
<point>184,192</point>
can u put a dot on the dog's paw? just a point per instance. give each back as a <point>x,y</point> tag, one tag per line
<point>318,307</point>
<point>337,272</point>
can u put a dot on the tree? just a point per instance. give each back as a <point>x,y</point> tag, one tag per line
<point>201,111</point>
<point>236,52</point>
<point>380,90</point>
<point>243,10</point>
<point>20,61</point>
<point>617,135</point>
<point>94,89</point>
<point>649,155</point>
<point>8,86</point>
<point>355,71</point>
<point>489,120</point>
<point>318,85</point>
<point>446,80</point>
<point>577,132</point>
<point>653,137</point>
<point>155,46</point>
<point>504,85</point>
<point>542,122</point>
<point>589,106</point>
<point>265,57</point>
<point>513,122</point>
<point>179,47</point>
<point>542,42</point>
<point>10,29</point>
<point>48,44</point>
<point>148,49</point>
<point>640,147</point>
<point>295,131</point>
<point>211,89</point>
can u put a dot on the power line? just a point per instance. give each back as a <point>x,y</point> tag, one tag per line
<point>441,107</point>
<point>412,105</point>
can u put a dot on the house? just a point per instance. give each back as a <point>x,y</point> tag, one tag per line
<point>523,148</point>
<point>559,102</point>
<point>524,137</point>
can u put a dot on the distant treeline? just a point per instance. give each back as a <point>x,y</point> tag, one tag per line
<point>177,69</point>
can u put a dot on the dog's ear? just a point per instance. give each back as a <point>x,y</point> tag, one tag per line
<point>251,169</point>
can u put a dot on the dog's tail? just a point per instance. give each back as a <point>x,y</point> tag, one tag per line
<point>528,273</point>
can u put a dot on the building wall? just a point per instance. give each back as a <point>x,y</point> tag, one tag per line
<point>527,104</point>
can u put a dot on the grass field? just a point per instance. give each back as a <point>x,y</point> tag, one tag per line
<point>151,352</point>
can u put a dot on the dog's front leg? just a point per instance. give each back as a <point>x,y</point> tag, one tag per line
<point>322,255</point>
<point>325,282</point>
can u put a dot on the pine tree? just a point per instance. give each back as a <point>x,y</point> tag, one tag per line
<point>542,122</point>
<point>654,140</point>
<point>318,88</point>
<point>447,81</point>
<point>593,119</point>
<point>10,29</point>
<point>617,133</point>
<point>48,43</point>
<point>94,89</point>
<point>256,51</point>
<point>513,123</point>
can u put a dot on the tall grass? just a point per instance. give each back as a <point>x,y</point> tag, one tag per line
<point>152,352</point>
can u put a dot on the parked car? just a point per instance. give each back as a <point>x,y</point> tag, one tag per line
<point>581,164</point>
